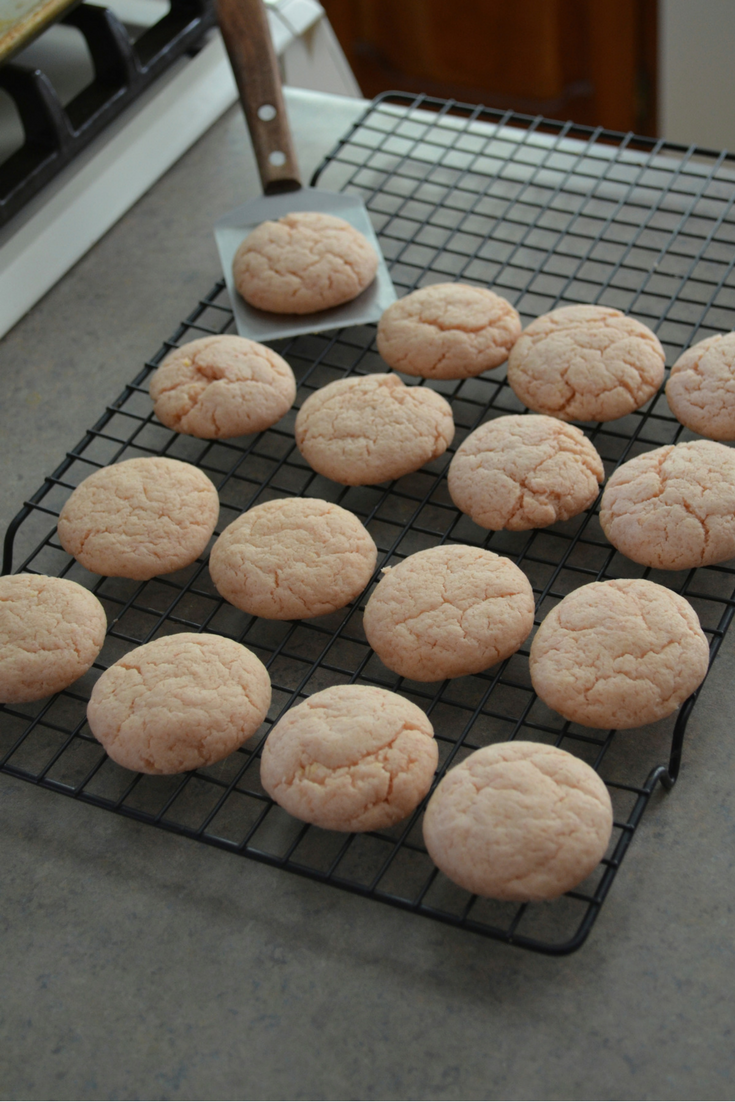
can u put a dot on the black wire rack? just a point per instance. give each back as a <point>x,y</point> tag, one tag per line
<point>545,213</point>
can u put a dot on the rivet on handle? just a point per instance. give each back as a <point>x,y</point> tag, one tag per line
<point>267,112</point>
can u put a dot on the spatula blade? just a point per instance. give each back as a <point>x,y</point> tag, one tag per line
<point>260,326</point>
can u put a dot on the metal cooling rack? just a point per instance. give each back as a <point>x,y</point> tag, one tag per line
<point>546,213</point>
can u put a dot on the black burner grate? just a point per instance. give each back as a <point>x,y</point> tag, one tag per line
<point>546,214</point>
<point>53,134</point>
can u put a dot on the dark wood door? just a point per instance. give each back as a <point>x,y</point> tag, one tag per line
<point>590,60</point>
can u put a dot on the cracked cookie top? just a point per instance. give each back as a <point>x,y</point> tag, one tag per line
<point>178,703</point>
<point>674,507</point>
<point>524,471</point>
<point>586,363</point>
<point>519,821</point>
<point>303,263</point>
<point>139,518</point>
<point>448,611</point>
<point>448,331</point>
<point>701,387</point>
<point>619,654</point>
<point>51,631</point>
<point>352,757</point>
<point>219,387</point>
<point>293,558</point>
<point>367,429</point>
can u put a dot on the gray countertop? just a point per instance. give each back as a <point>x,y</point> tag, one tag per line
<point>140,965</point>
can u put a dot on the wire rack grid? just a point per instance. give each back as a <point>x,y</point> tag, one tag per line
<point>545,213</point>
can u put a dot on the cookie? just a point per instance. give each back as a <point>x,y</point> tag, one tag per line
<point>674,507</point>
<point>303,263</point>
<point>179,703</point>
<point>372,428</point>
<point>139,518</point>
<point>448,611</point>
<point>218,387</point>
<point>701,387</point>
<point>618,654</point>
<point>586,363</point>
<point>51,631</point>
<point>293,558</point>
<point>519,821</point>
<point>521,472</point>
<point>351,757</point>
<point>448,331</point>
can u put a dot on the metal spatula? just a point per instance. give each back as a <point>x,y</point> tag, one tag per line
<point>244,26</point>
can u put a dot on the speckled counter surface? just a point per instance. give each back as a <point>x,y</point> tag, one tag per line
<point>138,965</point>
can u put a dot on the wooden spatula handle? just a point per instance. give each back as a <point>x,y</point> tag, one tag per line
<point>244,26</point>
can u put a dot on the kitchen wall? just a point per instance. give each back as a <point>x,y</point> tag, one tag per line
<point>697,72</point>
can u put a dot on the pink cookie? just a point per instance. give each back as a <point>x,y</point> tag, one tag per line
<point>293,558</point>
<point>618,654</point>
<point>674,507</point>
<point>371,428</point>
<point>586,363</point>
<point>701,387</point>
<point>179,703</point>
<point>351,757</point>
<point>303,263</point>
<point>526,471</point>
<point>51,631</point>
<point>448,331</point>
<point>218,387</point>
<point>140,518</point>
<point>519,821</point>
<point>448,611</point>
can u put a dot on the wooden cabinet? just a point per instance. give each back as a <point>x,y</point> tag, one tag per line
<point>590,60</point>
